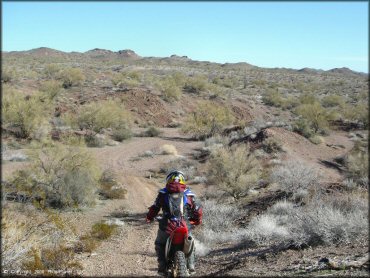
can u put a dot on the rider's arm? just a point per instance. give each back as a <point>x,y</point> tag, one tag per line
<point>154,209</point>
<point>196,209</point>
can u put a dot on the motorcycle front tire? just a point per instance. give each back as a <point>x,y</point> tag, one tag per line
<point>179,266</point>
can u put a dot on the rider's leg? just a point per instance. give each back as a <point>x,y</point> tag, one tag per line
<point>160,245</point>
<point>191,258</point>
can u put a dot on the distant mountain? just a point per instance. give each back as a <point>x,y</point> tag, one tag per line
<point>310,70</point>
<point>128,54</point>
<point>346,71</point>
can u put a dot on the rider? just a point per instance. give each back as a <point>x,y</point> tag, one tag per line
<point>191,211</point>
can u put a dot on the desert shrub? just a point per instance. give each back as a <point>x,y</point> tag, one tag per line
<point>235,170</point>
<point>271,145</point>
<point>51,88</point>
<point>86,243</point>
<point>102,231</point>
<point>167,149</point>
<point>358,113</point>
<point>207,120</point>
<point>273,98</point>
<point>228,82</point>
<point>109,187</point>
<point>151,131</point>
<point>94,141</point>
<point>324,221</point>
<point>72,140</point>
<point>315,139</point>
<point>196,84</point>
<point>7,75</point>
<point>61,176</point>
<point>26,117</point>
<point>97,116</point>
<point>20,236</point>
<point>179,78</point>
<point>71,77</point>
<point>333,101</point>
<point>315,116</point>
<point>127,79</point>
<point>308,98</point>
<point>51,71</point>
<point>58,257</point>
<point>219,223</point>
<point>170,89</point>
<point>357,163</point>
<point>294,176</point>
<point>303,127</point>
<point>121,132</point>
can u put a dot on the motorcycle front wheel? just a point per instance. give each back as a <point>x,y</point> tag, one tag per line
<point>179,265</point>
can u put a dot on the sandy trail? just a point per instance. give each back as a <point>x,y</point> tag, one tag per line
<point>131,251</point>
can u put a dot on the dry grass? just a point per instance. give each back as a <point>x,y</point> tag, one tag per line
<point>168,149</point>
<point>324,220</point>
<point>295,176</point>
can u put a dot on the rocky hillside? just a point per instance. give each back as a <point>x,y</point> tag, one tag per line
<point>278,157</point>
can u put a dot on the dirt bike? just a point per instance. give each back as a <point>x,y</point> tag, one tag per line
<point>178,247</point>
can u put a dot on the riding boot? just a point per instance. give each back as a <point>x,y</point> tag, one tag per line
<point>191,262</point>
<point>160,245</point>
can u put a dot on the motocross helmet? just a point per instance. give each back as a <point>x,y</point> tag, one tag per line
<point>175,176</point>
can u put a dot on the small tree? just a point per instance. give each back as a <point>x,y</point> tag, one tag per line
<point>208,119</point>
<point>234,170</point>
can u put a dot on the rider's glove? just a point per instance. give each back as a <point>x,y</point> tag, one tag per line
<point>153,211</point>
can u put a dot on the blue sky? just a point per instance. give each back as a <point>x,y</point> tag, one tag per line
<point>319,35</point>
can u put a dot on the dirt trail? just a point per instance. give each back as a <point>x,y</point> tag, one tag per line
<point>131,251</point>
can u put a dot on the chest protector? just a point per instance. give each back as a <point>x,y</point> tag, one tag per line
<point>176,204</point>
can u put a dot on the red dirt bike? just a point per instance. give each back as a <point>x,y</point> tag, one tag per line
<point>178,248</point>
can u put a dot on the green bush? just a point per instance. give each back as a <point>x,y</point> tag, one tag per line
<point>61,176</point>
<point>58,257</point>
<point>333,101</point>
<point>170,90</point>
<point>315,116</point>
<point>51,71</point>
<point>97,116</point>
<point>357,162</point>
<point>121,132</point>
<point>7,75</point>
<point>235,170</point>
<point>271,145</point>
<point>71,77</point>
<point>127,79</point>
<point>207,120</point>
<point>51,88</point>
<point>273,98</point>
<point>151,132</point>
<point>25,116</point>
<point>308,98</point>
<point>102,231</point>
<point>357,113</point>
<point>196,84</point>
